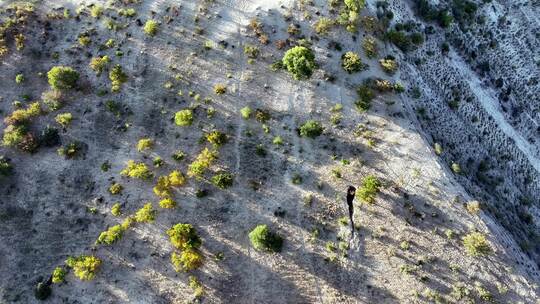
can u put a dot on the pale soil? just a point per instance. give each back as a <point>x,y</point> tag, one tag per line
<point>44,205</point>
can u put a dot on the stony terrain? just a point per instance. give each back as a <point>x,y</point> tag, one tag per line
<point>408,244</point>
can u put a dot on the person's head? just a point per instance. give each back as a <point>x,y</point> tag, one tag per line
<point>351,190</point>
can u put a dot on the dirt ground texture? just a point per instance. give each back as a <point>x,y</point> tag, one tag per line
<point>52,207</point>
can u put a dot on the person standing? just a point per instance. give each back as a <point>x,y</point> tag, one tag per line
<point>351,192</point>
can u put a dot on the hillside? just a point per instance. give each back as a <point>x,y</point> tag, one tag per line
<point>125,118</point>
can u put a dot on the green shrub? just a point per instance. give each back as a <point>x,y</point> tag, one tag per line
<point>146,214</point>
<point>351,62</point>
<point>369,189</point>
<point>196,286</point>
<point>84,266</point>
<point>365,96</point>
<point>399,39</point>
<point>202,162</point>
<point>473,207</point>
<point>117,77</point>
<point>167,203</point>
<point>370,47</point>
<point>116,209</point>
<point>64,119</point>
<point>111,235</point>
<point>476,244</point>
<point>251,51</point>
<point>220,89</point>
<point>151,27</point>
<point>6,168</point>
<point>70,150</point>
<point>263,239</point>
<point>223,180</point>
<point>277,141</point>
<point>22,116</point>
<point>96,10</point>
<point>183,117</point>
<point>62,77</point>
<point>323,25</point>
<point>187,260</point>
<point>127,12</point>
<point>84,40</point>
<point>115,188</point>
<point>179,155</point>
<point>216,138</point>
<point>145,144</point>
<point>245,112</point>
<point>52,99</point>
<point>300,62</point>
<point>184,236</point>
<point>58,275</point>
<point>456,168</point>
<point>19,78</point>
<point>311,128</point>
<point>136,170</point>
<point>388,65</point>
<point>98,64</point>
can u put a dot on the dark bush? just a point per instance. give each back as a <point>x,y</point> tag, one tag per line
<point>6,168</point>
<point>49,137</point>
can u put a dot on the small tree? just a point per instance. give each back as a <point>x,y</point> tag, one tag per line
<point>475,244</point>
<point>369,189</point>
<point>300,62</point>
<point>311,128</point>
<point>62,77</point>
<point>263,239</point>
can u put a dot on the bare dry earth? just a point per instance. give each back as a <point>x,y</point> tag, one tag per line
<point>44,206</point>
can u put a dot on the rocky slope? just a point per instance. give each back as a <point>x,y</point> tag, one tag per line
<point>408,244</point>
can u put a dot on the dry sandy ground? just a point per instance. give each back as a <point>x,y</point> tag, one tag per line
<point>44,205</point>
